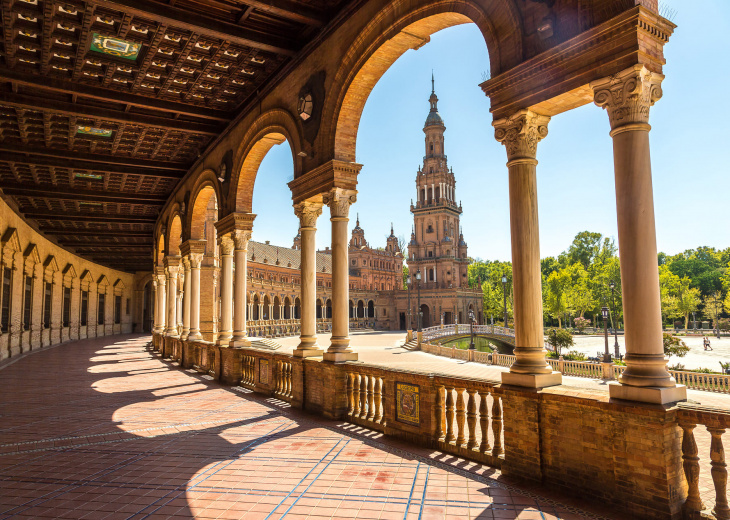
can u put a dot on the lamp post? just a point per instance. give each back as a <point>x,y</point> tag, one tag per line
<point>612,285</point>
<point>471,320</point>
<point>420,314</point>
<point>504,292</point>
<point>604,312</point>
<point>694,322</point>
<point>408,285</point>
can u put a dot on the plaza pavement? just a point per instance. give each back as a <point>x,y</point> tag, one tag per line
<point>105,429</point>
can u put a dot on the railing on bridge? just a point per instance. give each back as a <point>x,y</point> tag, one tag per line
<point>431,333</point>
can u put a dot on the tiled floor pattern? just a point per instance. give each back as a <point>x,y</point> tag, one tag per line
<point>102,429</point>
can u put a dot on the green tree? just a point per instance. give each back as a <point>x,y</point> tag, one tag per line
<point>713,306</point>
<point>579,297</point>
<point>556,299</point>
<point>688,299</point>
<point>405,276</point>
<point>668,288</point>
<point>585,247</point>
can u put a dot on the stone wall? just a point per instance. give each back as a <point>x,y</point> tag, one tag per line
<point>30,256</point>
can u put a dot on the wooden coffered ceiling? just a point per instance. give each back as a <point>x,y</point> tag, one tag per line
<point>105,104</point>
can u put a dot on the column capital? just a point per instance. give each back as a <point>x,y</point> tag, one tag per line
<point>226,244</point>
<point>240,239</point>
<point>195,260</point>
<point>339,201</point>
<point>520,133</point>
<point>628,95</point>
<point>186,263</point>
<point>308,212</point>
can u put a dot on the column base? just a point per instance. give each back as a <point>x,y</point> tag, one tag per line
<point>340,357</point>
<point>195,337</point>
<point>532,380</point>
<point>648,394</point>
<point>241,343</point>
<point>223,342</point>
<point>307,352</point>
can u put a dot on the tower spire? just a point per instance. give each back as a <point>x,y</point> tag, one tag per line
<point>433,89</point>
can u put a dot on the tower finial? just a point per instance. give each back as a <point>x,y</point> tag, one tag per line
<point>391,229</point>
<point>357,223</point>
<point>433,89</point>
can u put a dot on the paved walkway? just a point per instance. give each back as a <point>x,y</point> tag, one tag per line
<point>104,429</point>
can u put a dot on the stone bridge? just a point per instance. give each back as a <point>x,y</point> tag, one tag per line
<point>502,336</point>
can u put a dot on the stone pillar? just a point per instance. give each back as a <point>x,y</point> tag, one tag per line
<point>520,134</point>
<point>308,212</point>
<point>172,265</point>
<point>339,201</point>
<point>240,257</point>
<point>226,254</point>
<point>186,298</point>
<point>155,306</point>
<point>180,297</point>
<point>161,306</point>
<point>627,97</point>
<point>195,261</point>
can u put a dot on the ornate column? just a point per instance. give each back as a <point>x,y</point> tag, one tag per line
<point>195,260</point>
<point>225,334</point>
<point>161,304</point>
<point>172,265</point>
<point>520,134</point>
<point>156,305</point>
<point>308,212</point>
<point>180,297</point>
<point>240,258</point>
<point>339,201</point>
<point>186,298</point>
<point>627,97</point>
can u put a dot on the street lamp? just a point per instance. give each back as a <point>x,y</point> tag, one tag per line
<point>420,314</point>
<point>612,285</point>
<point>604,312</point>
<point>694,322</point>
<point>471,319</point>
<point>504,291</point>
<point>410,320</point>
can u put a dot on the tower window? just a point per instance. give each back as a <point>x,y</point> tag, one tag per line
<point>432,147</point>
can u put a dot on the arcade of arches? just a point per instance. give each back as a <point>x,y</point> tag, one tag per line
<point>183,152</point>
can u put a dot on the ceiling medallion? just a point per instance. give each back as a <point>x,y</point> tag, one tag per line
<point>115,46</point>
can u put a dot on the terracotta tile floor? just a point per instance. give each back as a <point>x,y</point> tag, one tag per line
<point>104,429</point>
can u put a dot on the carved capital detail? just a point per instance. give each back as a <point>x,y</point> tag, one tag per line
<point>520,133</point>
<point>195,260</point>
<point>628,95</point>
<point>308,212</point>
<point>339,201</point>
<point>241,238</point>
<point>226,245</point>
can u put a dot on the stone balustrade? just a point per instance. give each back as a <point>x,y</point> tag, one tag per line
<point>716,421</point>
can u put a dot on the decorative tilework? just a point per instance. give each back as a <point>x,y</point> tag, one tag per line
<point>408,403</point>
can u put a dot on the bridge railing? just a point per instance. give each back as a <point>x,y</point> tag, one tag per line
<point>432,333</point>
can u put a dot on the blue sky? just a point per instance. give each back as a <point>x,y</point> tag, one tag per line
<point>575,171</point>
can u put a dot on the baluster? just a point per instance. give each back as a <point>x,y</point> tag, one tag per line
<point>471,419</point>
<point>496,425</point>
<point>363,396</point>
<point>719,474</point>
<point>289,369</point>
<point>278,377</point>
<point>439,413</point>
<point>356,395</point>
<point>460,416</point>
<point>371,398</point>
<point>378,403</point>
<point>449,414</point>
<point>691,464</point>
<point>350,394</point>
<point>484,421</point>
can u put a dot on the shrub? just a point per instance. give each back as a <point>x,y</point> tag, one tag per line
<point>559,339</point>
<point>574,355</point>
<point>673,346</point>
<point>581,323</point>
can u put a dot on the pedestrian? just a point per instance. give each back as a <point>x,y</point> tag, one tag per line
<point>708,345</point>
<point>704,342</point>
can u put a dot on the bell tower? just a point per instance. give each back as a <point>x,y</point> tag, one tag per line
<point>437,247</point>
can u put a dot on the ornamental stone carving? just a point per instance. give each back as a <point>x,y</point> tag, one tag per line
<point>308,212</point>
<point>226,245</point>
<point>241,238</point>
<point>628,95</point>
<point>339,201</point>
<point>195,260</point>
<point>520,133</point>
